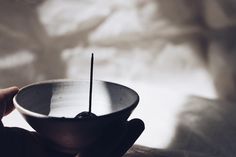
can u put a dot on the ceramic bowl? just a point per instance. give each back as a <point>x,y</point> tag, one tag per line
<point>50,108</point>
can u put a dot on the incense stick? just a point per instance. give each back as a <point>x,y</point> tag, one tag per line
<point>91,84</point>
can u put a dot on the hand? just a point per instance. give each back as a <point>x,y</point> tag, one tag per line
<point>17,142</point>
<point>112,145</point>
<point>6,105</point>
<point>22,143</point>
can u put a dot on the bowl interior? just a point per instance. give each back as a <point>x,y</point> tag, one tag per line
<point>68,98</point>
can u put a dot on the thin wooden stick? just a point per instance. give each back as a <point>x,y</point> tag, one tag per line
<point>91,84</point>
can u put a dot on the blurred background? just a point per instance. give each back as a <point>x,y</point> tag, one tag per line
<point>156,47</point>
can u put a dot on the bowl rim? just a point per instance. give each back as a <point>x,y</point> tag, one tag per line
<point>22,110</point>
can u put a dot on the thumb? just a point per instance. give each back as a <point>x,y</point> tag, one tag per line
<point>6,104</point>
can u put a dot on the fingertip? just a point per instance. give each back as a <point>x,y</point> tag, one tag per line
<point>13,89</point>
<point>9,91</point>
<point>134,129</point>
<point>137,124</point>
<point>6,96</point>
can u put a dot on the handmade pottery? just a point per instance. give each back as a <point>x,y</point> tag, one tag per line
<point>50,107</point>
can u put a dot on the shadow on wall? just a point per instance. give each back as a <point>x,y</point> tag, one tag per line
<point>28,53</point>
<point>206,126</point>
<point>25,46</point>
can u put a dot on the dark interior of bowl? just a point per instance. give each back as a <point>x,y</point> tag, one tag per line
<point>68,98</point>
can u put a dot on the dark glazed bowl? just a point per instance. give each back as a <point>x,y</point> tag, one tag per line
<point>50,107</point>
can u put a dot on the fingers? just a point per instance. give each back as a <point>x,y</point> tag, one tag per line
<point>116,141</point>
<point>6,104</point>
<point>22,143</point>
<point>134,129</point>
<point>19,142</point>
<point>8,91</point>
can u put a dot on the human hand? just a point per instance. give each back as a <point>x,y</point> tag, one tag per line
<point>111,145</point>
<point>6,104</point>
<point>17,142</point>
